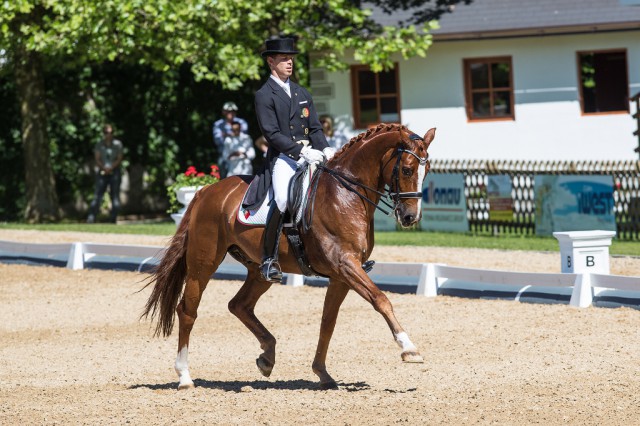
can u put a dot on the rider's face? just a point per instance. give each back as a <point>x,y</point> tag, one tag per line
<point>281,66</point>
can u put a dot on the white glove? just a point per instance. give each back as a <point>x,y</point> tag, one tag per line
<point>329,152</point>
<point>311,155</point>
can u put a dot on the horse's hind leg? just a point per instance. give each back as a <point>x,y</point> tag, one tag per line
<point>336,292</point>
<point>242,306</point>
<point>199,273</point>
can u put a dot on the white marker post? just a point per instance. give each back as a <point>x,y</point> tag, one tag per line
<point>585,252</point>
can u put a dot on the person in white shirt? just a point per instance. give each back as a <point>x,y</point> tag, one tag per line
<point>238,152</point>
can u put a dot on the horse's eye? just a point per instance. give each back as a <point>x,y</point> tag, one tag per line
<point>407,171</point>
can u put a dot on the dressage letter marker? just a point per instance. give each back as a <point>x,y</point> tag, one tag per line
<point>585,251</point>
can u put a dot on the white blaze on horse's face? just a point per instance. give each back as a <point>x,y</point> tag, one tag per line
<point>413,170</point>
<point>422,172</point>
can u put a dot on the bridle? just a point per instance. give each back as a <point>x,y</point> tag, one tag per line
<point>395,176</point>
<point>348,183</point>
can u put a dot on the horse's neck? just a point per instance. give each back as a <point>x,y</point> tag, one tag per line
<point>363,160</point>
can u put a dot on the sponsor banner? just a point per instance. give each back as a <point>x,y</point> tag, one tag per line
<point>574,203</point>
<point>444,205</point>
<point>499,197</point>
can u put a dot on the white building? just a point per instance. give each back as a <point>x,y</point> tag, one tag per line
<point>507,79</point>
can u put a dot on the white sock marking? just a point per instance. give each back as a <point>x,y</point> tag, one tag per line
<point>182,366</point>
<point>402,339</point>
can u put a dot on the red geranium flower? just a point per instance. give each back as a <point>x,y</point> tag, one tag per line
<point>191,177</point>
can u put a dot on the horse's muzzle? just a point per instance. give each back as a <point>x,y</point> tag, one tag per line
<point>407,216</point>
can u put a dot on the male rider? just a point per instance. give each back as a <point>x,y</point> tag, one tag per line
<point>289,122</point>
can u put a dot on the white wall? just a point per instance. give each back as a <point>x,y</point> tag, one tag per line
<point>548,123</point>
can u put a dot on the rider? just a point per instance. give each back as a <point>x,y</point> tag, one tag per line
<point>289,122</point>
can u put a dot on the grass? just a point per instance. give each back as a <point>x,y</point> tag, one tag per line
<point>407,238</point>
<point>163,228</point>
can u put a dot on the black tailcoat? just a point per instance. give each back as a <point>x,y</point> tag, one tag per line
<point>284,122</point>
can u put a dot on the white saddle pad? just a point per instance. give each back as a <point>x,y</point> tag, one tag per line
<point>256,217</point>
<point>259,217</point>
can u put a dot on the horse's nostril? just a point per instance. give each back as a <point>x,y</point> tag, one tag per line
<point>409,218</point>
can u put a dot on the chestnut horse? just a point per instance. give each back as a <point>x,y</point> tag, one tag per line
<point>338,242</point>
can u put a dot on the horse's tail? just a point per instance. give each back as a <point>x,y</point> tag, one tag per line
<point>169,277</point>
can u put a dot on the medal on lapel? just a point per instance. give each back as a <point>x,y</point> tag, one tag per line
<point>305,112</point>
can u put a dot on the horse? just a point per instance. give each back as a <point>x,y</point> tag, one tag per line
<point>338,242</point>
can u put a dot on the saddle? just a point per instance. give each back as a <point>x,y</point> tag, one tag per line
<point>299,192</point>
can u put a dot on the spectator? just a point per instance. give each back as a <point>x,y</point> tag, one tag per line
<point>222,129</point>
<point>238,152</point>
<point>335,140</point>
<point>108,156</point>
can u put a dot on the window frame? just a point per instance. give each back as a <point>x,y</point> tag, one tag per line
<point>579,82</point>
<point>355,95</point>
<point>469,91</point>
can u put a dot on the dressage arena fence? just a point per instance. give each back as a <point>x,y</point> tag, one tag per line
<point>424,279</point>
<point>626,192</point>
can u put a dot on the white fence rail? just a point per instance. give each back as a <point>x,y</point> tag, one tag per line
<point>429,276</point>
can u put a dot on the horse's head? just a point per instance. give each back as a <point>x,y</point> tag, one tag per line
<point>410,162</point>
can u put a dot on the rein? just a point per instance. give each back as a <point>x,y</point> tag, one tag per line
<point>349,184</point>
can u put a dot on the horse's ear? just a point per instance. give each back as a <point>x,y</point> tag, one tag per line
<point>428,137</point>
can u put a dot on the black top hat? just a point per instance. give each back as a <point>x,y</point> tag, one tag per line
<point>279,45</point>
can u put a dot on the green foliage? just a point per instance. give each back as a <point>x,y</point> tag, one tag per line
<point>219,40</point>
<point>159,70</point>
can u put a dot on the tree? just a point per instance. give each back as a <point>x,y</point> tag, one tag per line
<point>219,40</point>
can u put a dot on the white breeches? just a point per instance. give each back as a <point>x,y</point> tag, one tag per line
<point>283,171</point>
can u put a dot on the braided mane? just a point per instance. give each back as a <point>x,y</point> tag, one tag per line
<point>380,128</point>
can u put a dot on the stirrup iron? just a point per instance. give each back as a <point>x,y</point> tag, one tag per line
<point>368,265</point>
<point>270,270</point>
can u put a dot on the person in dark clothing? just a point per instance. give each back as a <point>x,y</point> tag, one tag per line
<point>108,155</point>
<point>289,122</point>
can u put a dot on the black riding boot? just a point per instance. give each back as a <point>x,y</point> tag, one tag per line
<point>270,269</point>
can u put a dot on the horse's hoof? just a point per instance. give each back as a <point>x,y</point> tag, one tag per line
<point>413,357</point>
<point>332,385</point>
<point>264,366</point>
<point>186,386</point>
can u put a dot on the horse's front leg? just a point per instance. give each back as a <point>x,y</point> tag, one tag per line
<point>359,281</point>
<point>242,306</point>
<point>336,292</point>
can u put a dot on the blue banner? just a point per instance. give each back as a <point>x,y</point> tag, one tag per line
<point>574,203</point>
<point>444,203</point>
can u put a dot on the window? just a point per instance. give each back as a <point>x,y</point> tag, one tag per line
<point>603,81</point>
<point>376,96</point>
<point>489,88</point>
